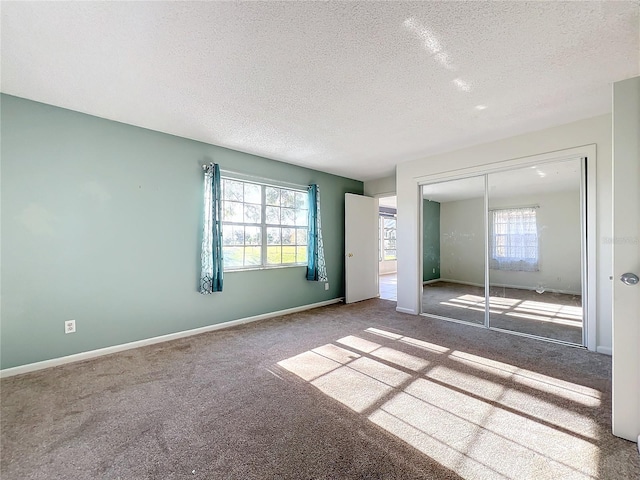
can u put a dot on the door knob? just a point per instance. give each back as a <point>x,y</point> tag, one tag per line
<point>629,278</point>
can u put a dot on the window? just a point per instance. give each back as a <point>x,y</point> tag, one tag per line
<point>387,238</point>
<point>262,225</point>
<point>514,239</point>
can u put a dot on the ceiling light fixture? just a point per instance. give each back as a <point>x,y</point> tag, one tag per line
<point>481,107</point>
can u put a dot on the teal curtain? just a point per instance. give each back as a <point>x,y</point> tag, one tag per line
<point>316,267</point>
<point>211,256</point>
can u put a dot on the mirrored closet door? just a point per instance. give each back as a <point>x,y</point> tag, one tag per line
<point>453,241</point>
<point>535,258</point>
<point>505,250</point>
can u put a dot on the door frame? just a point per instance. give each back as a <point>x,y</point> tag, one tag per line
<point>378,196</point>
<point>588,225</point>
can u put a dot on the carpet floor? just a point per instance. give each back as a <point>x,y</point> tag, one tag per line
<point>345,391</point>
<point>550,315</point>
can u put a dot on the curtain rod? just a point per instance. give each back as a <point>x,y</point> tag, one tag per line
<point>270,182</point>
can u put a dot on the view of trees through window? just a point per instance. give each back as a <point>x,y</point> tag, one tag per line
<point>387,238</point>
<point>263,225</point>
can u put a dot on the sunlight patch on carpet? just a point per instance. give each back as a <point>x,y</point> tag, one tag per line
<point>479,417</point>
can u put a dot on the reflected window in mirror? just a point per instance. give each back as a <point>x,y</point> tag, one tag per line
<point>514,239</point>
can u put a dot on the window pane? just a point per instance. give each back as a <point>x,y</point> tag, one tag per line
<point>389,254</point>
<point>273,215</point>
<point>288,236</point>
<point>244,224</point>
<point>274,255</point>
<point>232,235</point>
<point>302,217</point>
<point>273,236</point>
<point>273,196</point>
<point>252,256</point>
<point>252,213</point>
<point>252,236</point>
<point>232,190</point>
<point>232,256</point>
<point>514,242</point>
<point>389,244</point>
<point>288,198</point>
<point>389,223</point>
<point>252,193</point>
<point>288,254</point>
<point>301,236</point>
<point>231,212</point>
<point>288,216</point>
<point>301,200</point>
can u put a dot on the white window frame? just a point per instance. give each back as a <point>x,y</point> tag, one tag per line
<point>528,240</point>
<point>263,226</point>
<point>381,236</point>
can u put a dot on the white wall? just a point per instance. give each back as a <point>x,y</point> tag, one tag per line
<point>595,130</point>
<point>462,241</point>
<point>558,220</point>
<point>380,186</point>
<point>388,266</point>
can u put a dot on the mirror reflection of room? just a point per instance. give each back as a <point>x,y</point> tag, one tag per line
<point>453,250</point>
<point>533,238</point>
<point>535,251</point>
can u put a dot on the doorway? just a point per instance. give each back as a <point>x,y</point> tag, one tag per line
<point>506,250</point>
<point>387,258</point>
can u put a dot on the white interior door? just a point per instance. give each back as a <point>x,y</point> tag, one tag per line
<point>626,259</point>
<point>361,247</point>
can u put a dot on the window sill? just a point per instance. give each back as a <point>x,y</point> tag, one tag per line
<point>272,267</point>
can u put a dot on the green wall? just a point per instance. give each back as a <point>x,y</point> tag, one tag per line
<point>430,240</point>
<point>101,223</point>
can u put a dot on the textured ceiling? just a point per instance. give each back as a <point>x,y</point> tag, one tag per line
<point>346,87</point>
<point>561,176</point>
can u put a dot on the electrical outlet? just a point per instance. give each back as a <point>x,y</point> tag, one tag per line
<point>70,326</point>
<point>326,286</point>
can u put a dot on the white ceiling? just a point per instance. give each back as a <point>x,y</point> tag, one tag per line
<point>352,88</point>
<point>558,176</point>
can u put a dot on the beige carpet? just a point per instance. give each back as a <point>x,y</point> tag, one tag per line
<point>355,391</point>
<point>551,315</point>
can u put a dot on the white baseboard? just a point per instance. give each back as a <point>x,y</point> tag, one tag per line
<point>76,357</point>
<point>503,285</point>
<point>406,310</point>
<point>605,350</point>
<point>461,282</point>
<point>426,282</point>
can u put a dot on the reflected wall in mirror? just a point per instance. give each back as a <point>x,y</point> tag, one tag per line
<point>453,250</point>
<point>535,251</point>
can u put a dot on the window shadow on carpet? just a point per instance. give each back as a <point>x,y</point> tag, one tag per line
<point>479,417</point>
